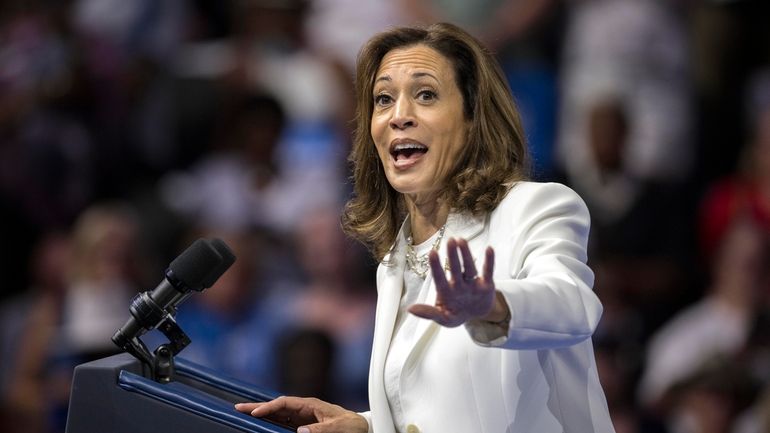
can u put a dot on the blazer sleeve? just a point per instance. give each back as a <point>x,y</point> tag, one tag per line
<point>547,284</point>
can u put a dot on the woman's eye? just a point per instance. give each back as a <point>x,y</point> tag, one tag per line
<point>426,95</point>
<point>382,100</point>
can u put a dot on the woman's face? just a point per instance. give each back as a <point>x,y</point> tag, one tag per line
<point>417,124</point>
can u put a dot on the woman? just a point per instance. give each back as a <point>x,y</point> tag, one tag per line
<point>440,164</point>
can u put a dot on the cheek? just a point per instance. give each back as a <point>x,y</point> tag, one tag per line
<point>456,140</point>
<point>378,124</point>
<point>376,131</point>
<point>382,155</point>
<point>380,142</point>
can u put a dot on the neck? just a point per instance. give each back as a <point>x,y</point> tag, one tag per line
<point>426,217</point>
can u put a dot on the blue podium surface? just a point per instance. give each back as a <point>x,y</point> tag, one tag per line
<point>116,395</point>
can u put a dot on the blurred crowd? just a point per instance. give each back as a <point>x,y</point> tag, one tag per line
<point>130,128</point>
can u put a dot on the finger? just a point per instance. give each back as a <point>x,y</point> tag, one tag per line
<point>431,313</point>
<point>454,260</point>
<point>439,276</point>
<point>279,407</point>
<point>469,271</point>
<point>246,407</point>
<point>317,428</point>
<point>287,411</point>
<point>489,265</point>
<point>426,311</point>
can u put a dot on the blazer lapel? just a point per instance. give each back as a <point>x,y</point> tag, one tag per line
<point>390,282</point>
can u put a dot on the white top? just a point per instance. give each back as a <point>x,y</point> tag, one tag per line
<point>414,292</point>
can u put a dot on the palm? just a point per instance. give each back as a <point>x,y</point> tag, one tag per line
<point>466,295</point>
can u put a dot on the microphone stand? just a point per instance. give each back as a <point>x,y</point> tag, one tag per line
<point>161,360</point>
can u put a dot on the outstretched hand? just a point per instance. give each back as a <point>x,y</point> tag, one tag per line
<point>466,295</point>
<point>307,415</point>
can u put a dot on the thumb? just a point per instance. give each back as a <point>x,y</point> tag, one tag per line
<point>432,313</point>
<point>312,428</point>
<point>328,426</point>
<point>425,311</point>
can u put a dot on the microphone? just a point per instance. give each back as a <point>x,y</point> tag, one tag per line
<point>195,270</point>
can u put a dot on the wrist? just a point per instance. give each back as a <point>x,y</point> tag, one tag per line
<point>500,314</point>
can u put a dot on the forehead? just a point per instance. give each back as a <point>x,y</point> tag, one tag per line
<point>414,59</point>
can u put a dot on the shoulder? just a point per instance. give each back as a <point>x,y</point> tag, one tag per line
<point>533,210</point>
<point>534,197</point>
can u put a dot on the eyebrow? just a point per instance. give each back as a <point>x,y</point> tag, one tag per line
<point>414,75</point>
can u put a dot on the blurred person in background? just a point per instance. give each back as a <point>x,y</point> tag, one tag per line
<point>335,297</point>
<point>268,50</point>
<point>232,187</point>
<point>74,323</point>
<point>108,268</point>
<point>637,49</point>
<point>710,399</point>
<point>639,246</point>
<point>440,165</point>
<point>717,327</point>
<point>746,191</point>
<point>240,184</point>
<point>28,324</point>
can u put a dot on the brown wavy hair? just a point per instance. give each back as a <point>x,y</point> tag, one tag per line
<point>494,158</point>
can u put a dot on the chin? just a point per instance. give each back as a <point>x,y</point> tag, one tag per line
<point>400,188</point>
<point>410,183</point>
<point>403,184</point>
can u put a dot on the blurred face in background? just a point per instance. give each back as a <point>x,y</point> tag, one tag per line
<point>105,245</point>
<point>608,131</point>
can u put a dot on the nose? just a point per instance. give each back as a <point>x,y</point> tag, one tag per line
<point>403,116</point>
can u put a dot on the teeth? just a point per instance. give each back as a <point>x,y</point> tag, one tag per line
<point>404,146</point>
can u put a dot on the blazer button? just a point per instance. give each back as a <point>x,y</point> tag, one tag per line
<point>411,428</point>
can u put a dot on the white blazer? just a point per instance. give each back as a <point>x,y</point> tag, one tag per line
<point>539,378</point>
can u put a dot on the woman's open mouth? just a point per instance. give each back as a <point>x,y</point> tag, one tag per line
<point>405,153</point>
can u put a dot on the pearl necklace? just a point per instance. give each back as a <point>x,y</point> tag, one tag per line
<point>419,264</point>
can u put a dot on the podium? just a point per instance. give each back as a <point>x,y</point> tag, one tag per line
<point>118,395</point>
<point>147,392</point>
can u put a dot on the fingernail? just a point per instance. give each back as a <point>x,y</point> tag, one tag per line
<point>303,430</point>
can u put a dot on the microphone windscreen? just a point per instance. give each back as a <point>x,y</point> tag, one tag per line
<point>201,264</point>
<point>228,258</point>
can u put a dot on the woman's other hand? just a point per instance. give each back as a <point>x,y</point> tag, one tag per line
<point>307,415</point>
<point>467,295</point>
